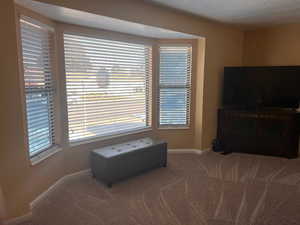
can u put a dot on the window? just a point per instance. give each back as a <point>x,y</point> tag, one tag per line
<point>37,41</point>
<point>174,86</point>
<point>108,86</point>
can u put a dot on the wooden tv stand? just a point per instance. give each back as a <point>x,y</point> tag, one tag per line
<point>269,131</point>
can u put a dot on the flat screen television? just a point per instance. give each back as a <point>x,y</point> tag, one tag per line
<point>261,87</point>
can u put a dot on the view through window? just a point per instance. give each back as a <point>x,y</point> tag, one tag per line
<point>174,85</point>
<point>108,86</point>
<point>37,51</point>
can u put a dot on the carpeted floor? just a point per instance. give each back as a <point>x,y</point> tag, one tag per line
<point>208,189</point>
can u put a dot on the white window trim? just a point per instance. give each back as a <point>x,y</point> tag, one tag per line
<point>174,127</point>
<point>40,157</point>
<point>46,153</point>
<point>175,43</point>
<point>101,34</point>
<point>109,137</point>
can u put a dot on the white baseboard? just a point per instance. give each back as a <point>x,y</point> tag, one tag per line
<point>22,219</point>
<point>188,150</point>
<point>27,217</point>
<point>60,181</point>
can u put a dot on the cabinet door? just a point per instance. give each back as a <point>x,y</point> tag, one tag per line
<point>238,132</point>
<point>276,134</point>
<point>271,135</point>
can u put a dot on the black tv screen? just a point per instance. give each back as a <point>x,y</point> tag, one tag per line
<point>253,87</point>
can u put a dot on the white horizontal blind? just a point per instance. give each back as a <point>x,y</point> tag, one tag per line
<point>174,86</point>
<point>108,86</point>
<point>37,42</point>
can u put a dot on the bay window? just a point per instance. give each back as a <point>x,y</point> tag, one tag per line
<point>105,86</point>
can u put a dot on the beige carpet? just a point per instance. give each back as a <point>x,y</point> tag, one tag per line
<point>208,189</point>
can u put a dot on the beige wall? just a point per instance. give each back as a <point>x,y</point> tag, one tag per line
<point>278,45</point>
<point>22,182</point>
<point>2,206</point>
<point>199,93</point>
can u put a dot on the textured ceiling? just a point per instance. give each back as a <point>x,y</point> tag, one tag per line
<point>241,12</point>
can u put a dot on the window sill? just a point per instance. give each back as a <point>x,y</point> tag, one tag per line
<point>174,128</point>
<point>44,155</point>
<point>92,140</point>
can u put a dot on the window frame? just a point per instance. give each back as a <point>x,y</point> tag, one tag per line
<point>109,35</point>
<point>190,113</point>
<point>55,147</point>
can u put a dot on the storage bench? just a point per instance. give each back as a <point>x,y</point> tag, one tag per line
<point>116,162</point>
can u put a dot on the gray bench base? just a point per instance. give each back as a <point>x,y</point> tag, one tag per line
<point>118,162</point>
